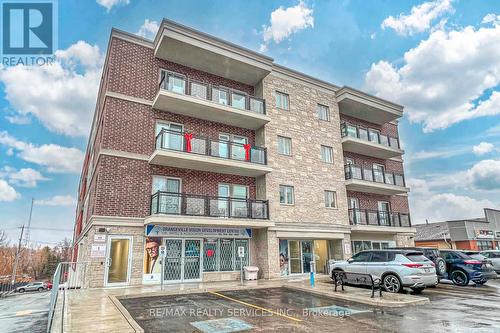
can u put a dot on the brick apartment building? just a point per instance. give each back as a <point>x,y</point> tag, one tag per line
<point>204,146</point>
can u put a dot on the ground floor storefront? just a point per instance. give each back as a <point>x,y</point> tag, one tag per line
<point>362,240</point>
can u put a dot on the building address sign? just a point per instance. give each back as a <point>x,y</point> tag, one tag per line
<point>197,232</point>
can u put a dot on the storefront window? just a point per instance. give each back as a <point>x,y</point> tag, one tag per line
<point>244,260</point>
<point>284,257</point>
<point>484,245</point>
<point>222,254</point>
<point>210,254</point>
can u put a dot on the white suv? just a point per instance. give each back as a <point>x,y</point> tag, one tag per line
<point>395,268</point>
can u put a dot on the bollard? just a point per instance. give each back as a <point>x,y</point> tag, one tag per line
<point>311,276</point>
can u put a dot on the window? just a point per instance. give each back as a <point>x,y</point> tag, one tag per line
<point>238,100</point>
<point>374,135</point>
<point>323,112</point>
<point>284,145</point>
<point>330,199</point>
<point>286,195</point>
<point>239,195</point>
<point>379,257</point>
<point>171,136</point>
<point>282,101</point>
<point>362,257</point>
<point>327,154</point>
<point>169,201</point>
<point>237,146</point>
<point>484,245</point>
<point>222,254</point>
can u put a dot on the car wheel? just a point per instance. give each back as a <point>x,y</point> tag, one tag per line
<point>391,283</point>
<point>441,267</point>
<point>21,290</point>
<point>40,289</point>
<point>459,278</point>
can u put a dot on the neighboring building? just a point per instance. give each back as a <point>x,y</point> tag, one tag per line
<point>469,234</point>
<point>203,146</point>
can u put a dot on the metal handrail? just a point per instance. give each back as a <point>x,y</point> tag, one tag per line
<point>363,133</point>
<point>353,171</point>
<point>205,146</point>
<point>377,217</point>
<point>174,203</point>
<point>252,103</point>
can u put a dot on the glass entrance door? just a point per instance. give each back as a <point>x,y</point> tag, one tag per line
<point>183,260</point>
<point>295,259</point>
<point>118,260</point>
<point>307,255</point>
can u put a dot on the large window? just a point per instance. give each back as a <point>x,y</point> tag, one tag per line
<point>330,199</point>
<point>284,145</point>
<point>282,101</point>
<point>221,255</point>
<point>327,154</point>
<point>358,246</point>
<point>286,195</point>
<point>485,245</point>
<point>323,112</point>
<point>169,201</point>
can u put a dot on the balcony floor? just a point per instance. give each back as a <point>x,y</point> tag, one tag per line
<point>203,109</point>
<point>183,160</point>
<point>358,185</point>
<point>368,148</point>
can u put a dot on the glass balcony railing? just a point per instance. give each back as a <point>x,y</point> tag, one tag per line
<point>172,203</point>
<point>373,175</point>
<point>183,85</point>
<point>367,134</point>
<point>378,218</point>
<point>188,143</point>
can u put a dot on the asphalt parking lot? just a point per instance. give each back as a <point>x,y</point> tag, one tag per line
<point>24,312</point>
<point>452,309</point>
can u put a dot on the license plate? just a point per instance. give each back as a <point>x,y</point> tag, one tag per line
<point>427,270</point>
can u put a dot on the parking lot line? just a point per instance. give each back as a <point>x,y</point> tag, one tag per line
<point>254,306</point>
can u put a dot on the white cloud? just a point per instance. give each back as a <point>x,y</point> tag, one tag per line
<point>57,200</point>
<point>108,4</point>
<point>25,177</point>
<point>7,192</point>
<point>441,153</point>
<point>18,120</point>
<point>485,175</point>
<point>444,80</point>
<point>53,157</point>
<point>483,148</point>
<point>427,204</point>
<point>148,29</point>
<point>420,18</point>
<point>491,18</point>
<point>285,22</point>
<point>62,95</point>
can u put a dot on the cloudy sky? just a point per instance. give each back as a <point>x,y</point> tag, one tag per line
<point>440,59</point>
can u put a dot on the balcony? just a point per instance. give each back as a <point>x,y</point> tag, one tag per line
<point>360,105</point>
<point>181,208</point>
<point>375,181</point>
<point>181,95</point>
<point>183,150</point>
<point>186,46</point>
<point>379,218</point>
<point>369,142</point>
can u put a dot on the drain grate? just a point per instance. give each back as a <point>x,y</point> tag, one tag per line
<point>222,325</point>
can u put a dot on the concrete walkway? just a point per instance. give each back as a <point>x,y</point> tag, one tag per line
<point>98,310</point>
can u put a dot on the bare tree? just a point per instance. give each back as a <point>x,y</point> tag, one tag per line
<point>4,239</point>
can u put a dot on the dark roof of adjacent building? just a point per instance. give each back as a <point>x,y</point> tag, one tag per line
<point>432,231</point>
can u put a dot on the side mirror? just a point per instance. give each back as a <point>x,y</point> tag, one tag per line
<point>350,260</point>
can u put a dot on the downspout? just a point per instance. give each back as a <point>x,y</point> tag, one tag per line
<point>444,238</point>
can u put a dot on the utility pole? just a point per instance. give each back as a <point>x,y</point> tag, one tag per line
<point>17,256</point>
<point>28,229</point>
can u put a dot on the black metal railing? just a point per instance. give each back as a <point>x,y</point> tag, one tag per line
<point>370,135</point>
<point>172,203</point>
<point>188,143</point>
<point>373,175</point>
<point>380,218</point>
<point>181,84</point>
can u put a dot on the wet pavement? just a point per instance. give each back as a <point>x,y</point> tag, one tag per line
<point>25,312</point>
<point>452,309</point>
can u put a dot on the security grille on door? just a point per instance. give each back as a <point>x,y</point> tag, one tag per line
<point>173,259</point>
<point>192,259</point>
<point>226,254</point>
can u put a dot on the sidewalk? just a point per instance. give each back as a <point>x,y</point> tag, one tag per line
<point>98,310</point>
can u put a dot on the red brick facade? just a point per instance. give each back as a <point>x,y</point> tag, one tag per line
<point>398,203</point>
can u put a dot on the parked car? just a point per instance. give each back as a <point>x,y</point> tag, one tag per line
<point>494,257</point>
<point>461,268</point>
<point>433,254</point>
<point>32,286</point>
<point>395,268</point>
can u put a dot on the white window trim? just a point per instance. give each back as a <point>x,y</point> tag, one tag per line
<point>167,177</point>
<point>293,195</point>
<point>233,184</point>
<point>321,154</point>
<point>291,147</point>
<point>283,94</point>
<point>335,203</point>
<point>328,115</point>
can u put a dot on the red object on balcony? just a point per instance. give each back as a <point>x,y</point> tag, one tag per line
<point>247,151</point>
<point>188,137</point>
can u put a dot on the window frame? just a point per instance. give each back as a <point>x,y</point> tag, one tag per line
<point>327,192</point>
<point>319,107</point>
<point>285,139</point>
<point>323,159</point>
<point>285,196</point>
<point>276,93</point>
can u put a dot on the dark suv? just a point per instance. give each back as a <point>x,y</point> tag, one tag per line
<point>461,268</point>
<point>432,254</point>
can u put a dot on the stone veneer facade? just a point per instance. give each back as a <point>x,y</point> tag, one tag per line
<point>116,179</point>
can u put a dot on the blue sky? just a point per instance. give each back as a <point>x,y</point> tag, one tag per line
<point>440,59</point>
